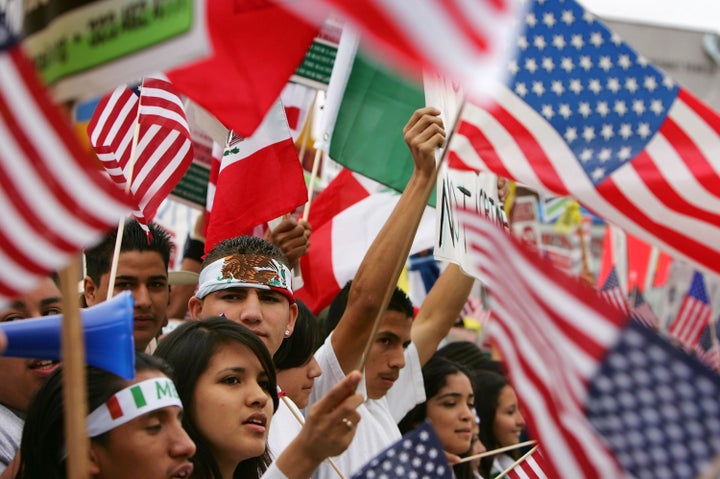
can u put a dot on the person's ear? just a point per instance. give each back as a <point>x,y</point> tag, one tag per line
<point>89,291</point>
<point>93,462</point>
<point>195,306</point>
<point>293,317</point>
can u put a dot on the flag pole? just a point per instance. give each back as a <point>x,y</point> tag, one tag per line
<point>311,186</point>
<point>496,451</point>
<point>305,133</point>
<point>73,371</point>
<point>121,223</point>
<point>514,464</point>
<point>302,423</point>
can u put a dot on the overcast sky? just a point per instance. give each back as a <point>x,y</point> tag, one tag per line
<point>695,14</point>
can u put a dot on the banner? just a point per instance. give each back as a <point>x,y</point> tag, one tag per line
<point>84,48</point>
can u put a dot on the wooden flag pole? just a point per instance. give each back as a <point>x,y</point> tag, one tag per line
<point>307,127</point>
<point>302,423</point>
<point>73,370</point>
<point>311,186</point>
<point>121,224</point>
<point>496,451</point>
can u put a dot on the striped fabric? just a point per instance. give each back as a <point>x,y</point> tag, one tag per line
<point>585,116</point>
<point>164,148</point>
<point>465,41</point>
<point>613,293</point>
<point>54,201</point>
<point>533,467</point>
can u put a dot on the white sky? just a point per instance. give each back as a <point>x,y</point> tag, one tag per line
<point>701,15</point>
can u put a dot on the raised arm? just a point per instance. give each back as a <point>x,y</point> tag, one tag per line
<point>439,310</point>
<point>381,266</point>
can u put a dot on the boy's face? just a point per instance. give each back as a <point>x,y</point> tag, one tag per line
<point>268,314</point>
<point>21,378</point>
<point>387,353</point>
<point>145,275</point>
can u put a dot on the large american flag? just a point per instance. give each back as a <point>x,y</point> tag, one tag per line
<point>164,148</point>
<point>694,314</point>
<point>54,201</point>
<point>584,116</point>
<point>461,40</point>
<point>605,396</point>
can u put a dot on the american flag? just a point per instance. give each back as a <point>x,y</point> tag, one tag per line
<point>584,116</point>
<point>533,467</point>
<point>54,201</point>
<point>613,293</point>
<point>164,147</point>
<point>604,396</point>
<point>418,454</point>
<point>642,311</point>
<point>465,41</point>
<point>694,314</point>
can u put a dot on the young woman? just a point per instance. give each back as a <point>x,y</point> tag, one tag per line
<point>501,421</point>
<point>449,407</point>
<point>129,437</point>
<point>228,386</point>
<point>294,361</point>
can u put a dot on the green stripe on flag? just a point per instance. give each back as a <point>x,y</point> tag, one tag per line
<point>368,134</point>
<point>138,396</point>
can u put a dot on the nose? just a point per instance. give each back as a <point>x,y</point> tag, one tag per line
<point>520,419</point>
<point>314,369</point>
<point>397,358</point>
<point>257,396</point>
<point>250,312</point>
<point>467,414</point>
<point>141,296</point>
<point>181,444</point>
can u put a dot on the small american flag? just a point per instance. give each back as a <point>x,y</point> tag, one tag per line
<point>605,396</point>
<point>164,148</point>
<point>613,293</point>
<point>54,201</point>
<point>418,454</point>
<point>585,116</point>
<point>642,311</point>
<point>533,467</point>
<point>693,315</point>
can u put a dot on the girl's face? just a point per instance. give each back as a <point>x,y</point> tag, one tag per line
<point>151,446</point>
<point>233,406</point>
<point>509,421</point>
<point>451,413</point>
<point>298,382</point>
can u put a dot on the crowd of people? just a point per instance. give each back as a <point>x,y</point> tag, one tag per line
<point>253,384</point>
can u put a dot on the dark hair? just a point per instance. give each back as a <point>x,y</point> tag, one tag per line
<point>471,356</point>
<point>189,349</point>
<point>244,245</point>
<point>99,258</point>
<point>487,392</point>
<point>399,301</point>
<point>301,345</point>
<point>435,373</point>
<point>42,450</point>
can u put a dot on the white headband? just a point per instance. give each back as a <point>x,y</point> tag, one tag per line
<point>131,402</point>
<point>246,271</point>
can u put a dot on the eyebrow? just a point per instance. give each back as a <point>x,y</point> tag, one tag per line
<point>47,301</point>
<point>454,394</point>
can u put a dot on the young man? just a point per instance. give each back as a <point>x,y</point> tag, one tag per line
<point>392,376</point>
<point>142,270</point>
<point>21,378</point>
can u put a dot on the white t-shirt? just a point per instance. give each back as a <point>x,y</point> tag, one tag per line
<point>11,428</point>
<point>377,428</point>
<point>283,426</point>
